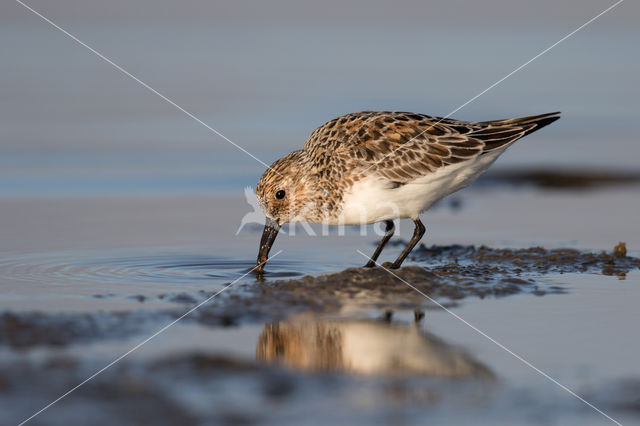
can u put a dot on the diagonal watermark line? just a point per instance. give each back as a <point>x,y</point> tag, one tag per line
<point>136,347</point>
<point>500,345</point>
<point>532,59</point>
<point>256,158</point>
<point>145,85</point>
<point>499,81</point>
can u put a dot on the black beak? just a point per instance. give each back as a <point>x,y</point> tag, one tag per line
<point>271,228</point>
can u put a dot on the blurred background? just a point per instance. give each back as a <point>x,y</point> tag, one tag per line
<point>265,74</point>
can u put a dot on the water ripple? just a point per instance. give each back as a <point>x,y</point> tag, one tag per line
<point>117,266</point>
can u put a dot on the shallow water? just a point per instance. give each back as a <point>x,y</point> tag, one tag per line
<point>66,313</point>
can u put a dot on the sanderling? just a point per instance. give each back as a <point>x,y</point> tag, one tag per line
<point>375,166</point>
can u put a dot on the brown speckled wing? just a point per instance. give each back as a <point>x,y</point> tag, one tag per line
<point>402,146</point>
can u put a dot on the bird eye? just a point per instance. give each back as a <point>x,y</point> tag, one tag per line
<point>280,194</point>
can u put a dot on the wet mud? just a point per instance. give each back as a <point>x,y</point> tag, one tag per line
<point>555,179</point>
<point>449,274</point>
<point>204,388</point>
<point>198,389</point>
<point>446,274</point>
<point>22,330</point>
<point>308,349</point>
<point>487,263</point>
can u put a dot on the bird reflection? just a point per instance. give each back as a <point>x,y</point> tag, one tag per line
<point>364,347</point>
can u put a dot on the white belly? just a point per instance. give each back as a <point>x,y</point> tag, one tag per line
<point>374,199</point>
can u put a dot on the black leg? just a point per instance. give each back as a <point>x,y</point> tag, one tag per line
<point>388,232</point>
<point>418,232</point>
<point>388,315</point>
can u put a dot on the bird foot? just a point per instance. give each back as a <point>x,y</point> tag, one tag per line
<point>393,265</point>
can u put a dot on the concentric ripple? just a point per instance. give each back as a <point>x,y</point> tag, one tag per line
<point>121,266</point>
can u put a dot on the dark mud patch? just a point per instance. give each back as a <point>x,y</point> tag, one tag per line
<point>623,394</point>
<point>199,389</point>
<point>22,330</point>
<point>485,264</point>
<point>379,288</point>
<point>122,397</point>
<point>556,179</point>
<point>452,273</point>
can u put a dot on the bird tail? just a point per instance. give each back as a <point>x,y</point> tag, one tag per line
<point>540,121</point>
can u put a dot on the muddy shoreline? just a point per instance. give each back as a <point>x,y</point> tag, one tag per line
<point>447,274</point>
<point>306,344</point>
<point>332,336</point>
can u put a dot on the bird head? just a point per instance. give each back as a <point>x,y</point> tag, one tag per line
<point>282,195</point>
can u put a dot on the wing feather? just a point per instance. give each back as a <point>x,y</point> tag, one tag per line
<point>402,146</point>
